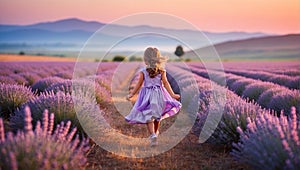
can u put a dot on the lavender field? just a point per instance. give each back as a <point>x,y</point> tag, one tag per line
<point>39,128</point>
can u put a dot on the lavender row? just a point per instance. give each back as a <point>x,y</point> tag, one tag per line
<point>280,68</point>
<point>259,137</point>
<point>235,110</point>
<point>28,73</point>
<point>268,95</point>
<point>284,80</point>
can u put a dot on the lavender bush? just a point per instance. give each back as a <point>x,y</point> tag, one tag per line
<point>265,98</point>
<point>7,80</point>
<point>239,86</point>
<point>270,142</point>
<point>31,77</point>
<point>12,97</point>
<point>295,83</point>
<point>62,105</point>
<point>65,75</point>
<point>47,147</point>
<point>42,84</point>
<point>285,100</point>
<point>102,96</point>
<point>235,113</point>
<point>230,79</point>
<point>253,91</point>
<point>18,79</point>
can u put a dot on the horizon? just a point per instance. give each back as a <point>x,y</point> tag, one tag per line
<point>212,16</point>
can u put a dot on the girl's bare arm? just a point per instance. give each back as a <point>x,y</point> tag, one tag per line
<point>168,86</point>
<point>137,86</point>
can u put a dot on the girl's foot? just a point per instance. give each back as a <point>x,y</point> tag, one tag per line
<point>153,140</point>
<point>157,133</point>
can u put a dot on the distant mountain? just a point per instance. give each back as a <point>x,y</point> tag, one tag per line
<point>63,30</point>
<point>271,47</point>
<point>58,26</point>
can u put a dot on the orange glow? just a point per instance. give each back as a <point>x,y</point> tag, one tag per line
<point>274,16</point>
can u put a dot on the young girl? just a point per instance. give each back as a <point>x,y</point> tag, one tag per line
<point>156,99</point>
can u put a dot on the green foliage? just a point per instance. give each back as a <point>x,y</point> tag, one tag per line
<point>179,51</point>
<point>134,58</point>
<point>118,58</point>
<point>21,53</point>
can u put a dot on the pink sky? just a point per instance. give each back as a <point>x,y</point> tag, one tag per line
<point>270,16</point>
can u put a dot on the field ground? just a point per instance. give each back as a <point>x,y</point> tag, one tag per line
<point>188,154</point>
<point>18,58</point>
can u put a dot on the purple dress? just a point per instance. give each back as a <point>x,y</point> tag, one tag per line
<point>153,103</point>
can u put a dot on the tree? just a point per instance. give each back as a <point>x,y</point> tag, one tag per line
<point>21,53</point>
<point>119,58</point>
<point>179,51</point>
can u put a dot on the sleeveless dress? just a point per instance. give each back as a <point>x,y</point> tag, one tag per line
<point>153,102</point>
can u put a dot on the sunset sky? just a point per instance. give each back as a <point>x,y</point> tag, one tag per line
<point>270,16</point>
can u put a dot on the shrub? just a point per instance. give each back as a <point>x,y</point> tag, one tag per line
<point>239,86</point>
<point>235,113</point>
<point>44,83</point>
<point>62,105</point>
<point>230,79</point>
<point>270,142</point>
<point>294,83</point>
<point>7,80</point>
<point>44,148</point>
<point>30,77</point>
<point>104,81</point>
<point>265,98</point>
<point>18,79</point>
<point>103,97</point>
<point>13,96</point>
<point>285,100</point>
<point>119,58</point>
<point>253,91</point>
<point>280,79</point>
<point>134,58</point>
<point>64,75</point>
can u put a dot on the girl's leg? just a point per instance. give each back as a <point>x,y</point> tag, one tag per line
<point>153,137</point>
<point>150,126</point>
<point>156,126</point>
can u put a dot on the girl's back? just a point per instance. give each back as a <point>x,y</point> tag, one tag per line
<point>148,81</point>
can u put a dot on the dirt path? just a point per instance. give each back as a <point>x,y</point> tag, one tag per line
<point>188,154</point>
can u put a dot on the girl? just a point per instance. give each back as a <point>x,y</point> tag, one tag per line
<point>156,99</point>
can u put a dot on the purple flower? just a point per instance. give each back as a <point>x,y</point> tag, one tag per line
<point>12,97</point>
<point>271,143</point>
<point>44,83</point>
<point>36,150</point>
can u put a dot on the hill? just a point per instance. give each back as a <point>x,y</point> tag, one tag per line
<point>270,47</point>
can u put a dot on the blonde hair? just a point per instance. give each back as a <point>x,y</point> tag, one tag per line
<point>154,61</point>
